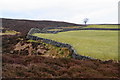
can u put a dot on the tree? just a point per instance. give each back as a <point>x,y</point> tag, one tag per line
<point>85,20</point>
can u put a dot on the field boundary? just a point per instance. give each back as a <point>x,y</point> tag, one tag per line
<point>46,30</point>
<point>57,44</point>
<point>54,32</point>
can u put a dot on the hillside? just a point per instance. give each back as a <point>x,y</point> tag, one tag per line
<point>24,26</point>
<point>23,58</point>
<point>17,66</point>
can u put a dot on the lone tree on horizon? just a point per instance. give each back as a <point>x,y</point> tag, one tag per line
<point>85,21</point>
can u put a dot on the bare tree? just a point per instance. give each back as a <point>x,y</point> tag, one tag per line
<point>85,20</point>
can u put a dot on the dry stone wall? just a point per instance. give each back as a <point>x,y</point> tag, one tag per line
<point>64,30</point>
<point>58,44</point>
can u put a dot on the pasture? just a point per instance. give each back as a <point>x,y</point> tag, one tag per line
<point>97,44</point>
<point>104,26</point>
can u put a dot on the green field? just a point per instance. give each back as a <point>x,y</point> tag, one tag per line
<point>96,44</point>
<point>103,26</point>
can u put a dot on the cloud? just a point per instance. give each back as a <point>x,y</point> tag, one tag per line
<point>64,10</point>
<point>26,5</point>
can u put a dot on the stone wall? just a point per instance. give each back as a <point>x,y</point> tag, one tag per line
<point>64,30</point>
<point>58,44</point>
<point>45,30</point>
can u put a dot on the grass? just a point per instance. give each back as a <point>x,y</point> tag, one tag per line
<point>103,26</point>
<point>10,32</point>
<point>70,27</point>
<point>96,44</point>
<point>55,29</point>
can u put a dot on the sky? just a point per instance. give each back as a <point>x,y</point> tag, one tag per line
<point>74,11</point>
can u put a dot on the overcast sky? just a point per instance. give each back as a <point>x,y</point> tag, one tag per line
<point>98,11</point>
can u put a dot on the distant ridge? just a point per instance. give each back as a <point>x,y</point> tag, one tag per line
<point>23,26</point>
